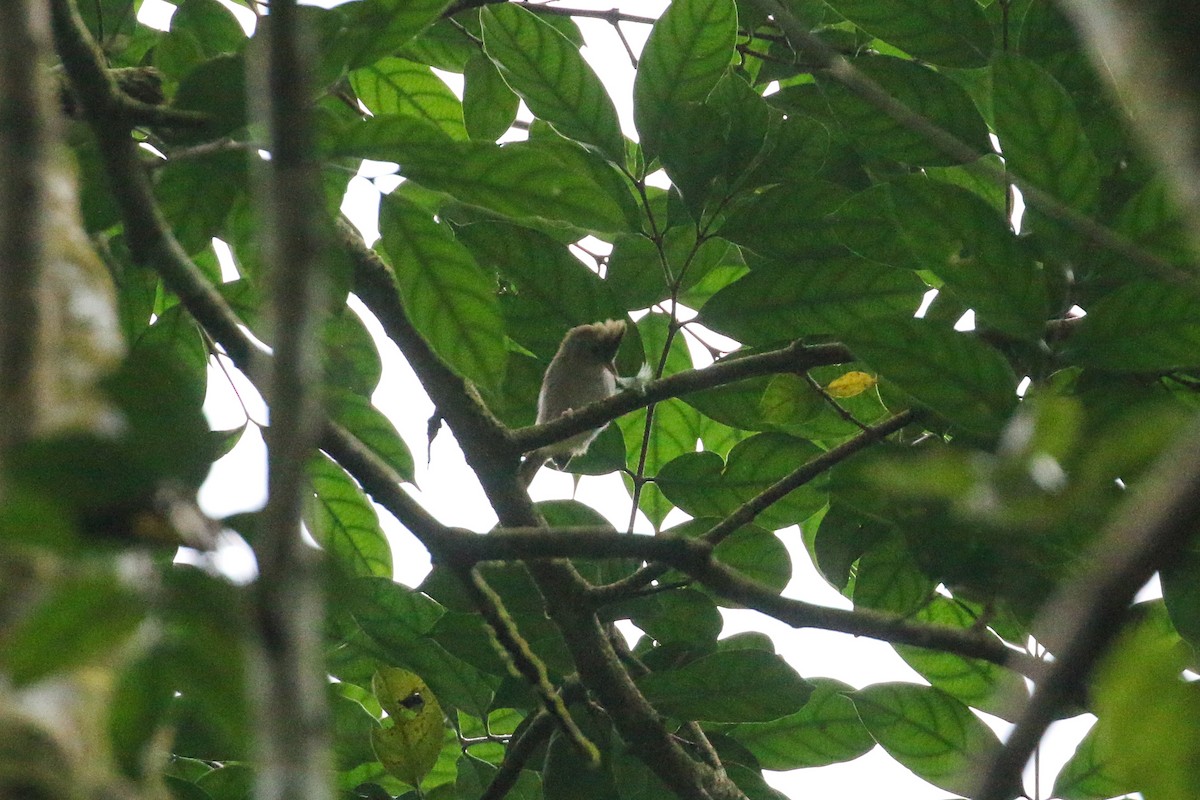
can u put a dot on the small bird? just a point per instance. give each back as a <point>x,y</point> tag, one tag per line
<point>581,372</point>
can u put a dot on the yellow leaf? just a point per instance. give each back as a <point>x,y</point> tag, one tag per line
<point>851,384</point>
<point>411,737</point>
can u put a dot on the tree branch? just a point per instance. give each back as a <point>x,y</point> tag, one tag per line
<point>294,747</point>
<point>25,134</point>
<point>490,452</point>
<point>795,357</point>
<point>146,232</point>
<point>1152,65</point>
<point>1083,619</point>
<point>746,513</point>
<point>694,557</point>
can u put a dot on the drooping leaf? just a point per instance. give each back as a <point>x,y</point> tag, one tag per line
<point>78,622</point>
<point>550,75</point>
<point>979,684</point>
<point>398,86</point>
<point>450,300</point>
<point>689,49</point>
<point>701,485</point>
<point>1144,326</point>
<point>369,425</point>
<point>344,523</point>
<point>410,740</point>
<point>489,106</point>
<point>929,93</point>
<point>957,236</point>
<point>781,301</point>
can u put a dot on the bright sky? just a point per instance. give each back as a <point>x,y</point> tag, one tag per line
<point>448,488</point>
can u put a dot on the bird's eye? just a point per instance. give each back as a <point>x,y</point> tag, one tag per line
<point>414,702</point>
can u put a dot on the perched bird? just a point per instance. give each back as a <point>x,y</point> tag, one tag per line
<point>580,373</point>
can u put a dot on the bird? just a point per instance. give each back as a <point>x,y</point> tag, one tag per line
<point>582,372</point>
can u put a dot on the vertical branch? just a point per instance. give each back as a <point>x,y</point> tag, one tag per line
<point>24,132</point>
<point>293,747</point>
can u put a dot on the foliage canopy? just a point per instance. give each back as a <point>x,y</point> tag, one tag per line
<point>829,164</point>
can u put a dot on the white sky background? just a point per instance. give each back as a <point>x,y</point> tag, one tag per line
<point>449,489</point>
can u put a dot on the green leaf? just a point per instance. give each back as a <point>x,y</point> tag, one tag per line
<point>385,137</point>
<point>689,49</point>
<point>758,554</point>
<point>1086,776</point>
<point>931,94</point>
<point>1149,717</point>
<point>1144,326</point>
<point>780,302</point>
<point>728,686</point>
<point>449,299</point>
<point>1181,594</point>
<point>825,731</point>
<point>810,232</point>
<point>1040,133</point>
<point>389,612</point>
<point>526,181</point>
<point>674,431</point>
<point>213,25</point>
<point>78,622</point>
<point>375,28</point>
<point>947,33</point>
<point>928,731</point>
<point>684,616</point>
<point>399,86</point>
<point>702,486</point>
<point>555,291</point>
<point>371,427</point>
<point>888,578</point>
<point>550,75</point>
<point>965,242</point>
<point>217,88</point>
<point>980,684</point>
<point>344,523</point>
<point>489,106</point>
<point>351,358</point>
<point>955,374</point>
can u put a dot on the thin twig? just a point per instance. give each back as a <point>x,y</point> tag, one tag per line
<point>745,513</point>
